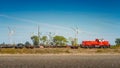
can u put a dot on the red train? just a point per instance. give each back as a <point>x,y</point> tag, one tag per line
<point>100,43</point>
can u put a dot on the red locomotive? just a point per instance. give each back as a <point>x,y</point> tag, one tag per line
<point>97,43</point>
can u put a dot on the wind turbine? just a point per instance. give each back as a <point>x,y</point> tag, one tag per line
<point>50,36</point>
<point>76,30</point>
<point>10,34</point>
<point>39,33</point>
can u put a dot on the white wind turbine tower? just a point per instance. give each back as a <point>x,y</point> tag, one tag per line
<point>39,33</point>
<point>10,34</point>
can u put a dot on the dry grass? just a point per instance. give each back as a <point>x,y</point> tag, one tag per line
<point>34,51</point>
<point>58,51</point>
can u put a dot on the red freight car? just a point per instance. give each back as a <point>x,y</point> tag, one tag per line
<point>97,43</point>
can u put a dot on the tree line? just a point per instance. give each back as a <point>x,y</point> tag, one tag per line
<point>53,41</point>
<point>56,41</point>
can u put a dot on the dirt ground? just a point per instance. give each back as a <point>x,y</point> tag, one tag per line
<point>59,61</point>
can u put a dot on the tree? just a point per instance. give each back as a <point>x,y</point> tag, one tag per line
<point>59,40</point>
<point>35,40</point>
<point>20,44</point>
<point>73,41</point>
<point>44,39</point>
<point>27,43</point>
<point>117,41</point>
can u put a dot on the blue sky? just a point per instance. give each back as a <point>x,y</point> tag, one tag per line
<point>94,18</point>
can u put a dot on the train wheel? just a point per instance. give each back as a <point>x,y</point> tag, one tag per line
<point>90,47</point>
<point>81,46</point>
<point>100,47</point>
